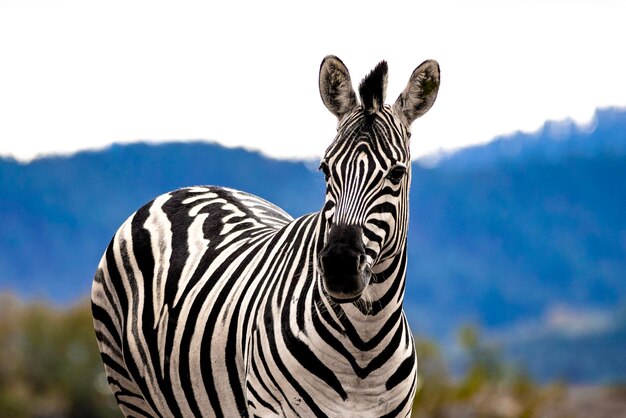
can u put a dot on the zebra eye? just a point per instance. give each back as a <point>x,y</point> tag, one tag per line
<point>324,168</point>
<point>396,173</point>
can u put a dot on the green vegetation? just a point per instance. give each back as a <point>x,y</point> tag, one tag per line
<point>49,363</point>
<point>50,367</point>
<point>489,387</point>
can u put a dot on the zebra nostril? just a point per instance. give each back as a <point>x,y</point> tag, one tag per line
<point>362,262</point>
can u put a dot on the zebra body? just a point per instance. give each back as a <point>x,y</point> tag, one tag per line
<point>213,302</point>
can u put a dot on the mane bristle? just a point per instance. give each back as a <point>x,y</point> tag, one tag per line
<point>373,88</point>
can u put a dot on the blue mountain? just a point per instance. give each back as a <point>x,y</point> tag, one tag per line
<point>527,222</point>
<point>500,234</point>
<point>60,212</point>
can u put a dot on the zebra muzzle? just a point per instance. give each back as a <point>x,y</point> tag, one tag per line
<point>343,264</point>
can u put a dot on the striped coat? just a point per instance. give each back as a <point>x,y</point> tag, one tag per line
<point>213,302</point>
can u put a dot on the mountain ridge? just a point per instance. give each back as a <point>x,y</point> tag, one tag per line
<point>604,134</point>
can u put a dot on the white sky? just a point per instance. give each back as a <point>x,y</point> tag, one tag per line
<point>77,74</point>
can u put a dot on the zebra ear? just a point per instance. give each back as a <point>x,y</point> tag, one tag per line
<point>420,94</point>
<point>336,87</point>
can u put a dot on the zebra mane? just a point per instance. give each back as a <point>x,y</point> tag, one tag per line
<point>373,89</point>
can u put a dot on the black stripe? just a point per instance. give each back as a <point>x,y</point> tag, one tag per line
<point>128,355</point>
<point>114,365</point>
<point>312,404</point>
<point>258,398</point>
<point>403,372</point>
<point>402,404</point>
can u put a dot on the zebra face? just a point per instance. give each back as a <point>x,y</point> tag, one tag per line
<point>367,170</point>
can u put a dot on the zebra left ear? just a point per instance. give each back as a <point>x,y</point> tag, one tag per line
<point>420,94</point>
<point>336,87</point>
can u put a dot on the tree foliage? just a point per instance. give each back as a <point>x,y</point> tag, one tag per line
<point>488,387</point>
<point>49,363</point>
<point>50,367</point>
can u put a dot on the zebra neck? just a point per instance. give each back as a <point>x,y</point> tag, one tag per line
<point>371,318</point>
<point>385,293</point>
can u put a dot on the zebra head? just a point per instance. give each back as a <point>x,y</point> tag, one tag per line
<point>368,173</point>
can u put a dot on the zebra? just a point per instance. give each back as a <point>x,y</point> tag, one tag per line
<point>210,301</point>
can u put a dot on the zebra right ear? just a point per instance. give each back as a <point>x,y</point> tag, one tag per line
<point>420,94</point>
<point>336,87</point>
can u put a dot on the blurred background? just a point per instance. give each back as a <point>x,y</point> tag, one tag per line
<point>516,287</point>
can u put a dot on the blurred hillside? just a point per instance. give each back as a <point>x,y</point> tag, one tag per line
<point>524,237</point>
<point>50,366</point>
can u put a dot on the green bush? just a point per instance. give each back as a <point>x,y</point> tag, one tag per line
<point>49,363</point>
<point>50,367</point>
<point>489,387</point>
